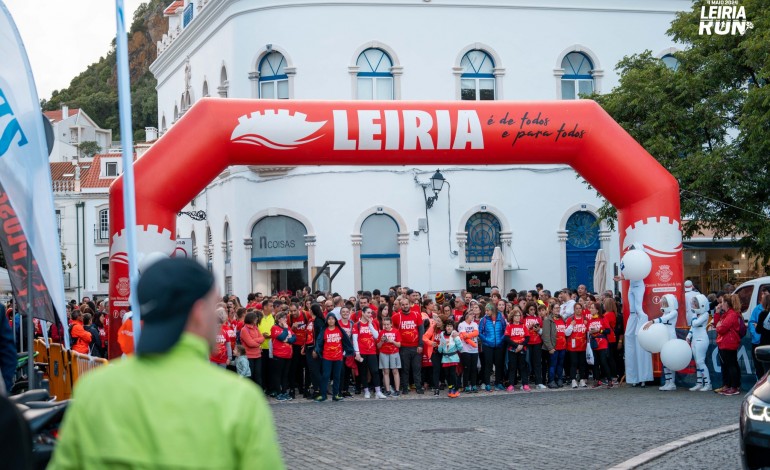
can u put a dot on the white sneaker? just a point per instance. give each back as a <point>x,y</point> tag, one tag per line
<point>668,387</point>
<point>367,394</point>
<point>380,395</point>
<point>541,387</point>
<point>583,383</point>
<point>574,383</point>
<point>695,388</point>
<point>705,388</point>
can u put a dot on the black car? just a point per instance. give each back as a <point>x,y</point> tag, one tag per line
<point>755,420</point>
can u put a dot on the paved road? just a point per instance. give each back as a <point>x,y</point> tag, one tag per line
<point>545,429</point>
<point>721,452</point>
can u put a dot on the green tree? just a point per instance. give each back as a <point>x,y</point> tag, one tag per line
<point>89,148</point>
<point>707,122</point>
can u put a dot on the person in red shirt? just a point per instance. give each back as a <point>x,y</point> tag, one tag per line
<point>283,339</point>
<point>409,323</point>
<point>459,311</point>
<point>517,336</point>
<point>599,329</point>
<point>577,329</point>
<point>365,335</point>
<point>535,346</point>
<point>223,352</point>
<point>390,359</point>
<point>611,315</point>
<point>331,345</point>
<point>298,369</point>
<point>728,343</point>
<point>252,340</point>
<point>81,339</point>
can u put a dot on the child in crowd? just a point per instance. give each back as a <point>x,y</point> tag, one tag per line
<point>390,359</point>
<point>241,361</point>
<point>450,346</point>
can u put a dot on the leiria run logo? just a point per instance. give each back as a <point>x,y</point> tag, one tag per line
<point>723,17</point>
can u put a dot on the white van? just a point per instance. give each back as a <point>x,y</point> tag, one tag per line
<point>749,294</point>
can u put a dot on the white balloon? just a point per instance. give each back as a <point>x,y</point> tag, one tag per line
<point>149,259</point>
<point>653,338</point>
<point>676,354</point>
<point>635,265</point>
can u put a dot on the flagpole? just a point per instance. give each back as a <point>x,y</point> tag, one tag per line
<point>127,143</point>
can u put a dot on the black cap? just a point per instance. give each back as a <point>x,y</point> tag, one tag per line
<point>166,292</point>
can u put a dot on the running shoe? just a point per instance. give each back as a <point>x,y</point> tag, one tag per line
<point>510,388</point>
<point>488,388</point>
<point>525,388</point>
<point>499,387</point>
<point>319,399</point>
<point>395,394</point>
<point>337,398</point>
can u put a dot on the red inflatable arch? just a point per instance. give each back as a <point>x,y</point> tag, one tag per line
<point>216,133</point>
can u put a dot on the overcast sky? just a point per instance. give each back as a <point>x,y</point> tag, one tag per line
<point>63,37</point>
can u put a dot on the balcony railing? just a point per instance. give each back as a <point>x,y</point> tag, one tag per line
<point>188,14</point>
<point>61,186</point>
<point>101,236</point>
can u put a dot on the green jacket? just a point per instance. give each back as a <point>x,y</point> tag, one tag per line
<point>173,410</point>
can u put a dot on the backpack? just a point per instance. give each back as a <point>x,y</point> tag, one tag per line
<point>74,341</point>
<point>741,327</point>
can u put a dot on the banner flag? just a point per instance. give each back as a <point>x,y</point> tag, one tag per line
<point>27,216</point>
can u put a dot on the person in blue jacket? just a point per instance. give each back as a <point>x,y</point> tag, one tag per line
<point>492,332</point>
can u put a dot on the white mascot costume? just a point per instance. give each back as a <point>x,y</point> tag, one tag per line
<point>699,340</point>
<point>635,266</point>
<point>689,293</point>
<point>670,308</point>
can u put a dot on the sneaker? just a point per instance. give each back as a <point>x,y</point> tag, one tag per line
<point>615,382</point>
<point>405,391</point>
<point>734,391</point>
<point>574,383</point>
<point>499,387</point>
<point>583,383</point>
<point>388,393</point>
<point>436,392</point>
<point>559,383</point>
<point>420,391</point>
<point>347,394</point>
<point>487,388</point>
<point>525,388</point>
<point>474,389</point>
<point>358,391</point>
<point>338,398</point>
<point>705,388</point>
<point>412,386</point>
<point>725,390</point>
<point>695,388</point>
<point>552,385</point>
<point>380,395</point>
<point>292,394</point>
<point>282,397</point>
<point>367,394</point>
<point>451,394</point>
<point>395,394</point>
<point>609,385</point>
<point>510,388</point>
<point>669,386</point>
<point>598,384</point>
<point>319,399</point>
<point>541,387</point>
<point>719,390</point>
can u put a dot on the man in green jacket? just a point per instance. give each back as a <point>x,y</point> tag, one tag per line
<point>167,406</point>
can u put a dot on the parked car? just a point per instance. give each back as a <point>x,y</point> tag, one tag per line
<point>755,420</point>
<point>749,294</point>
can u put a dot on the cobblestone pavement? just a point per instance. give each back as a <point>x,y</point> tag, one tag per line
<point>565,428</point>
<point>721,452</point>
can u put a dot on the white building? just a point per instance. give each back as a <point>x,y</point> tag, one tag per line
<point>270,228</point>
<point>72,127</point>
<point>81,201</point>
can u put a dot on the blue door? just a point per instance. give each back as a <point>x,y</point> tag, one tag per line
<point>582,245</point>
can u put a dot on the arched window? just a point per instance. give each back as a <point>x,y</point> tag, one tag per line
<point>375,80</point>
<point>380,258</point>
<point>670,62</point>
<point>176,112</point>
<point>163,124</point>
<point>577,79</point>
<point>223,83</point>
<point>273,80</point>
<point>582,245</point>
<point>279,254</point>
<point>104,225</point>
<point>477,81</point>
<point>483,236</point>
<point>205,91</point>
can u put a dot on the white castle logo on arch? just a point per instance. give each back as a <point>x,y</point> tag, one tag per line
<point>661,238</point>
<point>275,129</point>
